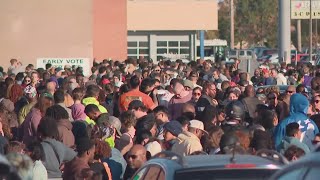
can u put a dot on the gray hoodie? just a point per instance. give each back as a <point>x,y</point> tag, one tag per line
<point>51,161</point>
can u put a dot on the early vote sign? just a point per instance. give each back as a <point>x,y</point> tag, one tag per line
<point>85,63</point>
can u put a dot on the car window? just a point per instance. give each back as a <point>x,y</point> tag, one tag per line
<point>140,174</point>
<point>249,53</point>
<point>154,173</point>
<point>295,174</point>
<point>225,174</point>
<point>241,53</point>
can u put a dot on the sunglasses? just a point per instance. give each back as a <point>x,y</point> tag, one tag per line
<point>132,156</point>
<point>197,94</point>
<point>290,92</point>
<point>315,142</point>
<point>157,70</point>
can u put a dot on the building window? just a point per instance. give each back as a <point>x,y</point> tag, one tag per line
<point>138,48</point>
<point>173,50</point>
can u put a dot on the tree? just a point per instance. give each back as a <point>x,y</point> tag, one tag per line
<point>256,21</point>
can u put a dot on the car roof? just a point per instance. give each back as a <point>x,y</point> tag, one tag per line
<point>222,160</point>
<point>197,161</point>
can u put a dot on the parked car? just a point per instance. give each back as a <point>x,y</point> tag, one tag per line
<point>271,58</point>
<point>202,167</point>
<point>308,167</point>
<point>242,54</point>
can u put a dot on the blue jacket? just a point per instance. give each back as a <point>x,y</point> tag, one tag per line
<point>298,113</point>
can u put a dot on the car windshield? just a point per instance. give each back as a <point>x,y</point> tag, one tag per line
<point>225,174</point>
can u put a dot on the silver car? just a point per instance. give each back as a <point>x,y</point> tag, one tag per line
<point>203,167</point>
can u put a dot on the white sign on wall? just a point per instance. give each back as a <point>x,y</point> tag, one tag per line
<point>300,9</point>
<point>85,63</point>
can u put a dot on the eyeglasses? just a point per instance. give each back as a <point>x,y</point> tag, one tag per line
<point>315,142</point>
<point>197,94</point>
<point>132,156</point>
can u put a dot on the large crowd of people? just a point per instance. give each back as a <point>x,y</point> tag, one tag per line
<point>57,123</point>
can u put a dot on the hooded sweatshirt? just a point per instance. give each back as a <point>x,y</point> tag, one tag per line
<point>289,141</point>
<point>92,100</point>
<point>299,105</point>
<point>65,132</point>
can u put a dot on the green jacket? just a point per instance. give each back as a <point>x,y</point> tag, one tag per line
<point>92,100</point>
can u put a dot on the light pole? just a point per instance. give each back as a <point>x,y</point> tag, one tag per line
<point>231,25</point>
<point>310,32</point>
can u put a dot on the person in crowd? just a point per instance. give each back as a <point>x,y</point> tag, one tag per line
<point>136,158</point>
<point>267,79</point>
<point>14,68</point>
<point>261,140</point>
<point>58,113</point>
<point>30,124</point>
<point>31,95</point>
<point>161,113</point>
<point>171,132</point>
<point>207,98</point>
<point>135,94</point>
<point>293,153</point>
<point>213,140</point>
<point>196,94</point>
<point>250,101</point>
<point>91,97</point>
<point>257,79</point>
<point>56,153</point>
<point>128,122</point>
<point>74,168</point>
<point>267,119</point>
<point>193,77</point>
<point>230,144</point>
<point>299,105</point>
<point>192,143</point>
<point>181,96</point>
<point>102,151</point>
<point>293,135</point>
<point>279,77</point>
<point>138,108</point>
<point>59,97</point>
<point>77,109</point>
<point>36,153</point>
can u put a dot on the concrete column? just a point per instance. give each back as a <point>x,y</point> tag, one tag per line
<point>192,43</point>
<point>284,31</point>
<point>153,47</point>
<point>299,34</point>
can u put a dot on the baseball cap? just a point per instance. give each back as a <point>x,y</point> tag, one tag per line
<point>265,71</point>
<point>188,83</point>
<point>58,69</point>
<point>197,124</point>
<point>116,123</point>
<point>135,104</point>
<point>174,127</point>
<point>47,95</point>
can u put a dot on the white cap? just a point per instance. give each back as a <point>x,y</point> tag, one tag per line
<point>197,124</point>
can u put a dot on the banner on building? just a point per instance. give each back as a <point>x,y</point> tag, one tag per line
<point>85,63</point>
<point>301,9</point>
